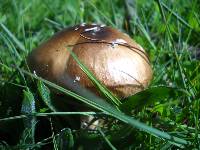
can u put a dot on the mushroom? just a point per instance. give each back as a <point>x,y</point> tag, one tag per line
<point>113,57</point>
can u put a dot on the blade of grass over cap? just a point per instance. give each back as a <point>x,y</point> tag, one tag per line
<point>101,87</point>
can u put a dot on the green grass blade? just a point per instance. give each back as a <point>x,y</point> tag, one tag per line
<point>12,36</point>
<point>101,13</point>
<point>150,96</point>
<point>181,71</point>
<point>176,15</point>
<point>28,107</point>
<point>48,114</point>
<point>55,144</point>
<point>106,139</point>
<point>45,95</point>
<point>142,29</point>
<point>11,47</point>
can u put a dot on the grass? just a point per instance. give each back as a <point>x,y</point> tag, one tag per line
<point>164,116</point>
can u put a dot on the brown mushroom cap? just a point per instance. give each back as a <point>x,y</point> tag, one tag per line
<point>112,56</point>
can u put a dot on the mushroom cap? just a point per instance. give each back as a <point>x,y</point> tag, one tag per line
<point>113,57</point>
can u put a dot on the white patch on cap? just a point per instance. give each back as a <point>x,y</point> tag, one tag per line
<point>77,78</point>
<point>95,29</point>
<point>83,24</point>
<point>117,41</point>
<point>76,28</point>
<point>94,24</point>
<point>113,44</point>
<point>120,41</point>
